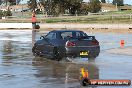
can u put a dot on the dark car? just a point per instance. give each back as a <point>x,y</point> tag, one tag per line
<point>58,44</point>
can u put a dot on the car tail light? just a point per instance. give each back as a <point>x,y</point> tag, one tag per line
<point>95,42</point>
<point>69,44</point>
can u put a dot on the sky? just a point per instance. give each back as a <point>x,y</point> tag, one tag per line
<point>125,1</point>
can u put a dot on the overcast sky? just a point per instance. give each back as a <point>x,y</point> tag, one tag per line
<point>125,1</point>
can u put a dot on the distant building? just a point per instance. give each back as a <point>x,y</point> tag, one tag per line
<point>125,7</point>
<point>15,7</point>
<point>106,7</point>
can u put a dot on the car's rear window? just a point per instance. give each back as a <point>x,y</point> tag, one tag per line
<point>76,34</point>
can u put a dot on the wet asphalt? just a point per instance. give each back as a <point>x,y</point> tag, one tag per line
<point>20,69</point>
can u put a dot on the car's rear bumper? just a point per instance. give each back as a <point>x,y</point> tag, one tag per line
<point>93,51</point>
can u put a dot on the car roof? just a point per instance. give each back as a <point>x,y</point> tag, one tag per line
<point>66,30</point>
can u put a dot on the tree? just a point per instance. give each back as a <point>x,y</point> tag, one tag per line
<point>94,6</point>
<point>118,2</point>
<point>1,14</point>
<point>5,13</point>
<point>0,2</point>
<point>74,6</point>
<point>103,1</point>
<point>58,7</point>
<point>32,4</point>
<point>84,9</point>
<point>12,2</point>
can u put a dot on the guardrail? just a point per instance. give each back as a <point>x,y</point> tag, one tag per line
<point>68,26</point>
<point>15,25</point>
<point>88,26</point>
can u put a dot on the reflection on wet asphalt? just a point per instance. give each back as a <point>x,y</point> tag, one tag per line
<point>20,69</point>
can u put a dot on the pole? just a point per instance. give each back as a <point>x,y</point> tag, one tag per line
<point>116,7</point>
<point>22,11</point>
<point>33,28</point>
<point>33,36</point>
<point>130,17</point>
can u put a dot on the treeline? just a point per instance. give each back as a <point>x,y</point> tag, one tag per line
<point>59,7</point>
<point>72,7</point>
<point>14,2</point>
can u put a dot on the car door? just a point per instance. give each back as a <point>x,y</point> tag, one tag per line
<point>50,39</point>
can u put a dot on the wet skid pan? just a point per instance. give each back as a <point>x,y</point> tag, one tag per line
<point>20,69</point>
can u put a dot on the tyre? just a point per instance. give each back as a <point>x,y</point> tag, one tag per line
<point>56,54</point>
<point>93,55</point>
<point>35,52</point>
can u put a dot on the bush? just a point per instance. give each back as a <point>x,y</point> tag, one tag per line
<point>5,13</point>
<point>1,14</point>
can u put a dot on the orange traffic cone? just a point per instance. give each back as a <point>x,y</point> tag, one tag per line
<point>122,43</point>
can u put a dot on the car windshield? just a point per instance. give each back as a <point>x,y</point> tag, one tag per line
<point>71,34</point>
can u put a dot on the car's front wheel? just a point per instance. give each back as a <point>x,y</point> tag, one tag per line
<point>35,52</point>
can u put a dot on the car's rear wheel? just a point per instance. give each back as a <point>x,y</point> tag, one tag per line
<point>93,55</point>
<point>56,54</point>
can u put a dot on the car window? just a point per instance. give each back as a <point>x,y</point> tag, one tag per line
<point>54,36</point>
<point>80,34</point>
<point>64,35</point>
<point>51,36</point>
